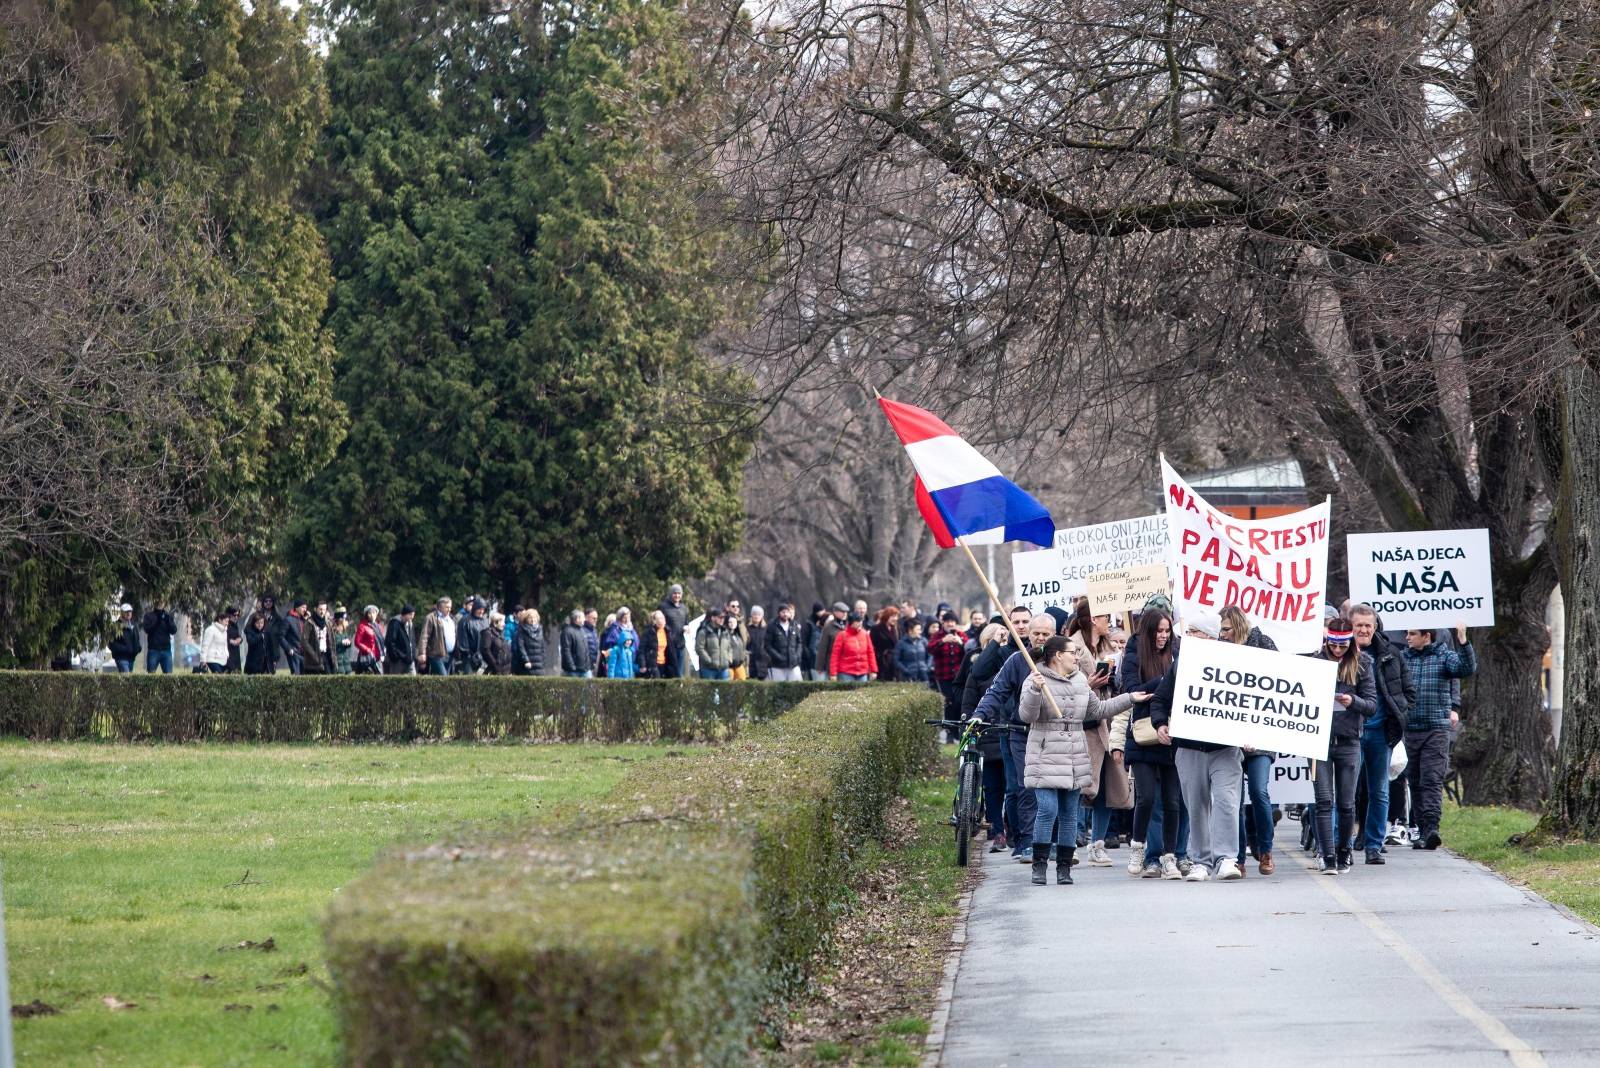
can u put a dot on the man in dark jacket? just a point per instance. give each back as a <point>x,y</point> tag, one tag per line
<point>830,630</point>
<point>125,641</point>
<point>575,662</point>
<point>1385,728</point>
<point>292,632</point>
<point>400,642</point>
<point>1432,717</point>
<point>756,655</point>
<point>159,630</point>
<point>810,639</point>
<point>469,654</point>
<point>316,648</point>
<point>677,617</point>
<point>235,641</point>
<point>591,638</point>
<point>999,705</point>
<point>785,647</point>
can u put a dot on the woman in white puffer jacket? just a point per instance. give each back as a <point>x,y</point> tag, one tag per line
<point>1058,764</point>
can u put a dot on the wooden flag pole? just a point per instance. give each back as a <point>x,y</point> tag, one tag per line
<point>1022,646</point>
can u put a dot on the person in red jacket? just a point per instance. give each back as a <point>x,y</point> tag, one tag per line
<point>852,659</point>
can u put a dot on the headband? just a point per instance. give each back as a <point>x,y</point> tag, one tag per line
<point>1340,635</point>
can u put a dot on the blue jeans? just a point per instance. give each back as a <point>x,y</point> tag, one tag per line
<point>125,667</point>
<point>994,795</point>
<point>295,661</point>
<point>844,678</point>
<point>1053,803</point>
<point>1258,773</point>
<point>723,673</point>
<point>1375,764</point>
<point>158,658</point>
<point>1094,819</point>
<point>438,665</point>
<point>1016,748</point>
<point>1153,848</point>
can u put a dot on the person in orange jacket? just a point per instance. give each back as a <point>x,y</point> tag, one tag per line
<point>852,658</point>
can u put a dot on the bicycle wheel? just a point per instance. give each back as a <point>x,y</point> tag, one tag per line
<point>966,804</point>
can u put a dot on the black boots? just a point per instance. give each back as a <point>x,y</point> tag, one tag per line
<point>1064,866</point>
<point>1041,862</point>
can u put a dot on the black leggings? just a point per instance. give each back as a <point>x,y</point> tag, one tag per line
<point>1150,780</point>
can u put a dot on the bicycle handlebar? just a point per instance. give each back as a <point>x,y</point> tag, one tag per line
<point>983,724</point>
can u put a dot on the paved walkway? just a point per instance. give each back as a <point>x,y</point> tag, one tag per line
<point>1429,960</point>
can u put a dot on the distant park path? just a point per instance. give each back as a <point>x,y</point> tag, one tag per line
<point>1429,960</point>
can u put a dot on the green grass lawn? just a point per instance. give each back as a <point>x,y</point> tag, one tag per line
<point>125,873</point>
<point>1566,874</point>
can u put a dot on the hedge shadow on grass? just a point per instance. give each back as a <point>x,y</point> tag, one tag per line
<point>59,706</point>
<point>651,927</point>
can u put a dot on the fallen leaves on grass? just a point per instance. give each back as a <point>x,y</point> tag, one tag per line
<point>34,1008</point>
<point>882,974</point>
<point>116,1004</point>
<point>265,947</point>
<point>234,1006</point>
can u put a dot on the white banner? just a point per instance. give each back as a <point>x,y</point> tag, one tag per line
<point>1057,576</point>
<point>1275,570</point>
<point>1424,578</point>
<point>1239,695</point>
<point>1291,782</point>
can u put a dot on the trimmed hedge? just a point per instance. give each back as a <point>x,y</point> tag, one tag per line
<point>651,927</point>
<point>62,705</point>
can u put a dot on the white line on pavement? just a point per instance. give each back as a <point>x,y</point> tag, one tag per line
<point>1522,1055</point>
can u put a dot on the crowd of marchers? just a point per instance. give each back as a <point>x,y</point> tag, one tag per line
<point>1095,764</point>
<point>475,636</point>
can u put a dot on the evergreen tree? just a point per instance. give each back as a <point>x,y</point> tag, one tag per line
<point>520,288</point>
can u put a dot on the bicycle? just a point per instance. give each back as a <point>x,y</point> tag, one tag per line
<point>967,806</point>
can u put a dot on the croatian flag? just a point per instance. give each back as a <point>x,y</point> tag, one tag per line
<point>959,493</point>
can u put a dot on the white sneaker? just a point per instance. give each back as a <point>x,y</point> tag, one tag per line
<point>1228,870</point>
<point>1135,858</point>
<point>1199,874</point>
<point>1098,857</point>
<point>1169,866</point>
<point>1396,834</point>
<point>1413,834</point>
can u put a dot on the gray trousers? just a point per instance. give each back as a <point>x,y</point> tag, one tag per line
<point>1335,791</point>
<point>1210,784</point>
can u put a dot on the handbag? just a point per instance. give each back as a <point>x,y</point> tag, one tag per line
<point>1143,732</point>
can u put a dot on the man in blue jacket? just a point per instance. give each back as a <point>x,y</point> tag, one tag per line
<point>999,705</point>
<point>1429,722</point>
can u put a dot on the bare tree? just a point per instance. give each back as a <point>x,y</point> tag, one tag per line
<point>1308,206</point>
<point>102,455</point>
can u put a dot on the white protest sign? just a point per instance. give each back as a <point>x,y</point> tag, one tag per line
<point>1424,578</point>
<point>1126,589</point>
<point>1058,575</point>
<point>1275,570</point>
<point>1239,695</point>
<point>1291,783</point>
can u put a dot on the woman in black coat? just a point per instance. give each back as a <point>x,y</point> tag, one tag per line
<point>257,646</point>
<point>527,645</point>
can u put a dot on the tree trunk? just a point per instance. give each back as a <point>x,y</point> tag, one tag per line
<point>1504,749</point>
<point>1574,806</point>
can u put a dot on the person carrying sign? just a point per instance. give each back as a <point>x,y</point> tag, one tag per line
<point>1210,776</point>
<point>1355,701</point>
<point>1430,721</point>
<point>1236,628</point>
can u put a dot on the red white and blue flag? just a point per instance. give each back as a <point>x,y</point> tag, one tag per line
<point>959,493</point>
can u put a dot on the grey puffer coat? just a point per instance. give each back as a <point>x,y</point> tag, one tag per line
<point>1058,753</point>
